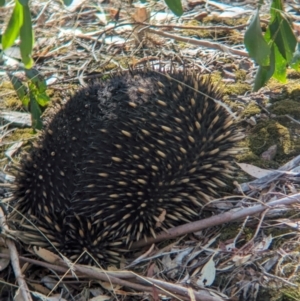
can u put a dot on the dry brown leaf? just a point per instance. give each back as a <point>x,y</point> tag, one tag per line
<point>40,288</point>
<point>46,255</point>
<point>141,14</point>
<point>254,171</point>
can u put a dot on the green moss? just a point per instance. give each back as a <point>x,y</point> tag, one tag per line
<point>232,36</point>
<point>105,77</point>
<point>238,88</point>
<point>248,233</point>
<point>216,77</point>
<point>240,75</point>
<point>235,37</point>
<point>229,232</point>
<point>280,130</point>
<point>205,33</point>
<point>284,107</point>
<point>268,133</point>
<point>262,136</point>
<point>11,100</point>
<point>251,109</point>
<point>182,45</point>
<point>23,135</point>
<point>214,19</point>
<point>290,90</point>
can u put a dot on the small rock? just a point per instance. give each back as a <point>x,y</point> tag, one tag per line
<point>252,121</point>
<point>269,154</point>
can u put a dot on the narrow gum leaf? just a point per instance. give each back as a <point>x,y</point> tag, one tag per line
<point>175,6</point>
<point>255,43</point>
<point>27,40</point>
<point>13,27</point>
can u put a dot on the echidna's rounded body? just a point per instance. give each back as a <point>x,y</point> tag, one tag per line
<point>122,160</point>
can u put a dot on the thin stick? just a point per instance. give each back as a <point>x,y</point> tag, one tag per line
<point>14,258</point>
<point>216,220</point>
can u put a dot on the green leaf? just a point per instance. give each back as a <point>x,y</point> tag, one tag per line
<point>264,73</point>
<point>35,114</point>
<point>42,99</point>
<point>24,2</point>
<point>175,6</point>
<point>20,89</point>
<point>255,43</point>
<point>295,62</point>
<point>260,3</point>
<point>37,79</point>
<point>277,5</point>
<point>13,27</point>
<point>37,86</point>
<point>68,2</point>
<point>282,35</point>
<point>280,65</point>
<point>2,2</point>
<point>27,40</point>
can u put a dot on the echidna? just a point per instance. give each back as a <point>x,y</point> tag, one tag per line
<point>124,159</point>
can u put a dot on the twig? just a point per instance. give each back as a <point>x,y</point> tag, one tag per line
<point>199,42</point>
<point>174,290</point>
<point>216,220</point>
<point>256,232</point>
<point>293,119</point>
<point>14,258</point>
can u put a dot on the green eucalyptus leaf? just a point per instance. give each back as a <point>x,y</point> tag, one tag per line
<point>27,40</point>
<point>295,62</point>
<point>35,113</point>
<point>24,2</point>
<point>175,6</point>
<point>13,28</point>
<point>260,3</point>
<point>277,5</point>
<point>37,79</point>
<point>42,99</point>
<point>20,89</point>
<point>2,2</point>
<point>264,73</point>
<point>283,36</point>
<point>255,43</point>
<point>280,65</point>
<point>68,2</point>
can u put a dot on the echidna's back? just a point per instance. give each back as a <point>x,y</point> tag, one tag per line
<point>125,158</point>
